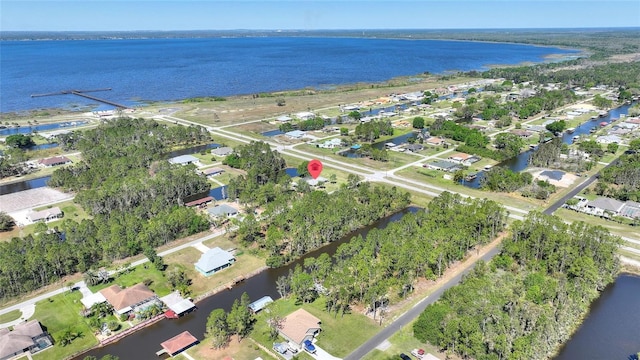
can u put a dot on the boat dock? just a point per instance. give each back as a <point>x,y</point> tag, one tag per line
<point>83,93</point>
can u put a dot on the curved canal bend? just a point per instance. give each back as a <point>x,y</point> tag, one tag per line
<point>144,343</point>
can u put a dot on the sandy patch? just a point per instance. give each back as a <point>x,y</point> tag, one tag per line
<point>566,180</point>
<point>31,198</point>
<point>583,107</point>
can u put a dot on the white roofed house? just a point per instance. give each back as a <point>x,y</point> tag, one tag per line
<point>185,160</point>
<point>283,118</point>
<point>214,260</point>
<point>604,206</point>
<point>45,215</point>
<point>305,115</point>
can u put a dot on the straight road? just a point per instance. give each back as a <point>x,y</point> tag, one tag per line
<point>411,314</point>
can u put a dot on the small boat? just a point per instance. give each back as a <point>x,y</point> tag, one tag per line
<point>576,137</point>
<point>603,113</point>
<point>471,177</point>
<point>593,129</point>
<point>571,130</point>
<point>603,124</point>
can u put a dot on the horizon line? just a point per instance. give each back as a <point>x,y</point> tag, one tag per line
<point>336,29</point>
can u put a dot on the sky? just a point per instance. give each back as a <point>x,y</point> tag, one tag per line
<point>126,15</point>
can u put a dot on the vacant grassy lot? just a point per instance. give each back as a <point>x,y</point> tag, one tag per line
<point>137,275</point>
<point>243,350</point>
<point>59,314</point>
<point>402,342</point>
<point>614,227</point>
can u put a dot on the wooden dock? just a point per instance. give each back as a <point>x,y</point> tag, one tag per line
<point>108,102</point>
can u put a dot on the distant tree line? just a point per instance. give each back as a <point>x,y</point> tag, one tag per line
<point>530,298</point>
<point>621,180</point>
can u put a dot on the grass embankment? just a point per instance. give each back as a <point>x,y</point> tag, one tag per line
<point>59,314</point>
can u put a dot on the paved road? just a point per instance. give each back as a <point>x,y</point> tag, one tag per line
<point>407,317</point>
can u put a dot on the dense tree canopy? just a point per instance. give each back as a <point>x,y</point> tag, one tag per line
<point>531,297</point>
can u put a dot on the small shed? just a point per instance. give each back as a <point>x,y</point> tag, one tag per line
<point>260,304</point>
<point>178,344</point>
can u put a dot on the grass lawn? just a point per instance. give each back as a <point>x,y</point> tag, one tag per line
<point>428,177</point>
<point>402,342</point>
<point>339,336</point>
<point>61,313</point>
<point>243,350</point>
<point>614,227</point>
<point>396,159</point>
<point>139,274</point>
<point>200,284</point>
<point>10,316</point>
<point>70,209</point>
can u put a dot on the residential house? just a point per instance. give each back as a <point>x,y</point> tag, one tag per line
<point>283,118</point>
<point>522,133</point>
<point>601,206</point>
<point>26,337</point>
<point>299,326</point>
<point>608,139</point>
<point>435,141</point>
<point>442,165</point>
<point>464,159</point>
<point>214,260</point>
<point>45,215</point>
<point>295,134</point>
<point>223,210</point>
<point>127,300</point>
<point>305,115</point>
<point>177,304</point>
<point>54,161</point>
<point>222,151</point>
<point>330,144</point>
<point>213,171</point>
<point>185,160</point>
<point>414,147</point>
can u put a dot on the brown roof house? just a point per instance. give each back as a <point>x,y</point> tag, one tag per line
<point>25,337</point>
<point>136,297</point>
<point>54,161</point>
<point>299,326</point>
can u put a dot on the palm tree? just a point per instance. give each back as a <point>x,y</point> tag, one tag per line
<point>91,278</point>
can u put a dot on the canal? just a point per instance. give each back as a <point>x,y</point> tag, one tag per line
<point>521,162</point>
<point>144,343</point>
<point>40,128</point>
<point>612,328</point>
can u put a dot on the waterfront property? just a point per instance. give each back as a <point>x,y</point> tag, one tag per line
<point>607,207</point>
<point>199,202</point>
<point>54,161</point>
<point>214,260</point>
<point>295,134</point>
<point>177,344</point>
<point>435,141</point>
<point>414,147</point>
<point>131,299</point>
<point>299,326</point>
<point>442,165</point>
<point>45,215</point>
<point>330,144</point>
<point>464,159</point>
<point>185,160</point>
<point>27,337</point>
<point>177,305</point>
<point>222,151</point>
<point>260,304</point>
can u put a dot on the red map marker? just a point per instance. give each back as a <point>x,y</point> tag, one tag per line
<point>314,168</point>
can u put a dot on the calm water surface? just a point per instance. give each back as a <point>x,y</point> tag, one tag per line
<point>612,330</point>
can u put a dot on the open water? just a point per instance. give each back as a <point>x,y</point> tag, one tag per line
<point>172,69</point>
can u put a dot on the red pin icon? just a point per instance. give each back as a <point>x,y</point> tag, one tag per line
<point>315,168</point>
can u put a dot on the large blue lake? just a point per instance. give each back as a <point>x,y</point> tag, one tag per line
<point>171,69</point>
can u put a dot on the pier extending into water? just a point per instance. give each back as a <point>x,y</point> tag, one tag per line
<point>83,94</point>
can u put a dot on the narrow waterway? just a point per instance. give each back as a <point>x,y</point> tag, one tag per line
<point>24,185</point>
<point>612,329</point>
<point>521,162</point>
<point>144,343</point>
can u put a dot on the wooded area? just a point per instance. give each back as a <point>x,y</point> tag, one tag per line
<point>133,194</point>
<point>529,299</point>
<point>386,263</point>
